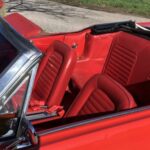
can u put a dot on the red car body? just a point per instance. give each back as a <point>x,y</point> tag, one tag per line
<point>127,130</point>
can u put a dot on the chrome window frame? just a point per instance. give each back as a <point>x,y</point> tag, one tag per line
<point>28,56</point>
<point>25,64</point>
<point>32,75</point>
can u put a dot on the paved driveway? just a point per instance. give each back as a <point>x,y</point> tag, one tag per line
<point>56,17</point>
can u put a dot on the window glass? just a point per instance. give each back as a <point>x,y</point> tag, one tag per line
<point>10,109</point>
<point>7,53</point>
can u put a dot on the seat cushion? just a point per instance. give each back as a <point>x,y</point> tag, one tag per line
<point>53,75</point>
<point>101,94</point>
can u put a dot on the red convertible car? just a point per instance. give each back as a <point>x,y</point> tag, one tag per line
<point>86,90</point>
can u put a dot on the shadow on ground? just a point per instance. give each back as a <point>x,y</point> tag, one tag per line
<point>45,7</point>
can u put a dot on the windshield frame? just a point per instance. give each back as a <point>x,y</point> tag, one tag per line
<point>21,114</point>
<point>25,64</point>
<point>27,54</point>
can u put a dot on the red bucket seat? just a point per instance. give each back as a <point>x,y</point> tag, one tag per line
<point>99,95</point>
<point>53,75</point>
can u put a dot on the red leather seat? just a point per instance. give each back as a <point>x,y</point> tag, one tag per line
<point>101,94</point>
<point>127,57</point>
<point>53,75</point>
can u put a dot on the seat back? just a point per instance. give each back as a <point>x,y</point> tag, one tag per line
<point>54,74</point>
<point>101,94</point>
<point>128,59</point>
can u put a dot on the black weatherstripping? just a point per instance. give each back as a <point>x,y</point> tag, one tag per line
<point>128,26</point>
<point>110,27</point>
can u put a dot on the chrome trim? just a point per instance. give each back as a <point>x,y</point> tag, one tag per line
<point>29,90</point>
<point>24,65</point>
<point>27,97</point>
<point>16,89</point>
<point>92,120</point>
<point>28,56</point>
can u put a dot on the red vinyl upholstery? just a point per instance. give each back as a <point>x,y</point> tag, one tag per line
<point>53,75</point>
<point>101,94</point>
<point>94,57</point>
<point>23,26</point>
<point>128,59</point>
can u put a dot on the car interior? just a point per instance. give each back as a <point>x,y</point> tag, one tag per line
<point>108,73</point>
<point>93,72</point>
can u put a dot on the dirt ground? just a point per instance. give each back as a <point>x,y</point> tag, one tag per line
<point>57,17</point>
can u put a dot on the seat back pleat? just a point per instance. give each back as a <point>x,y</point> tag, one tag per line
<point>48,76</point>
<point>121,64</point>
<point>53,75</point>
<point>101,94</point>
<point>97,102</point>
<point>127,57</point>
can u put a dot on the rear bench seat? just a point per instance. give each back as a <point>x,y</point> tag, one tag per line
<point>127,61</point>
<point>93,59</point>
<point>23,26</point>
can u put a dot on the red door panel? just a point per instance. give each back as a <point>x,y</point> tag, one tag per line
<point>130,132</point>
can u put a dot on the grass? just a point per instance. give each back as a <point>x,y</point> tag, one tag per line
<point>138,7</point>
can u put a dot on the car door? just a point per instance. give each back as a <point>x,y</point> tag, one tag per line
<point>124,131</point>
